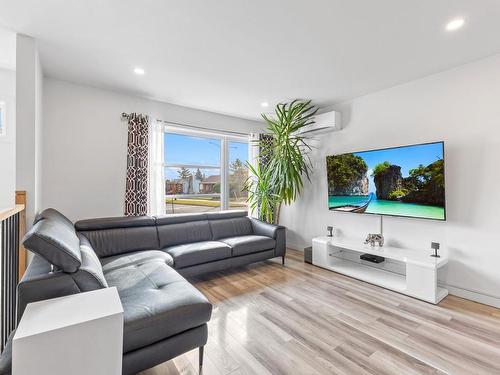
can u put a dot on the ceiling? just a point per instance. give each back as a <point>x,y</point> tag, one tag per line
<point>228,56</point>
<point>7,49</point>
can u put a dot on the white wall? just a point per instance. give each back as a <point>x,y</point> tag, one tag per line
<point>29,127</point>
<point>461,107</point>
<point>8,140</point>
<point>85,144</point>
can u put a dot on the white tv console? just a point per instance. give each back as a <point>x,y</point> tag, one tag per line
<point>409,272</point>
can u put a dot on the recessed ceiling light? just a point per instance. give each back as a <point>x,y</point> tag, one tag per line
<point>139,71</point>
<point>455,24</point>
<point>264,104</point>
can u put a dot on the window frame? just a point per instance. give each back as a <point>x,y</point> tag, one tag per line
<point>225,140</point>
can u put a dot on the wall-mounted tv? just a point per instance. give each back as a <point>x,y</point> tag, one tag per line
<point>404,181</point>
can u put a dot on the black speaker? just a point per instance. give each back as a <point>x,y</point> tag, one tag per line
<point>435,246</point>
<point>308,254</point>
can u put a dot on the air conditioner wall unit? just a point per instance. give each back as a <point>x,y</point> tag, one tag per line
<point>324,123</point>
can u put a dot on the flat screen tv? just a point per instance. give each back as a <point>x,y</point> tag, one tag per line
<point>404,181</point>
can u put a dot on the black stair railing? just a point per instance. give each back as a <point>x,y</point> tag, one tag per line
<point>9,273</point>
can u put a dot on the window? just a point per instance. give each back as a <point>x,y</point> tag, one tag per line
<point>238,173</point>
<point>203,172</point>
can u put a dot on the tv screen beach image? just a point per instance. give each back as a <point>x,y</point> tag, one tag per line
<point>401,181</point>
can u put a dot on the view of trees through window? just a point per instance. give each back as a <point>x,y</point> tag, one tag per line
<point>238,173</point>
<point>197,179</point>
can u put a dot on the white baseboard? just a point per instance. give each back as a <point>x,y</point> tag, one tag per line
<point>295,246</point>
<point>475,296</point>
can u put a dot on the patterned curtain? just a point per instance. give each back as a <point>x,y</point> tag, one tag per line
<point>265,142</point>
<point>265,150</point>
<point>136,191</point>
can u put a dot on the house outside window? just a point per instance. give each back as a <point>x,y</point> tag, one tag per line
<point>204,172</point>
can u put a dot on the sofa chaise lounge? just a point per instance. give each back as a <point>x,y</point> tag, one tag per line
<point>146,259</point>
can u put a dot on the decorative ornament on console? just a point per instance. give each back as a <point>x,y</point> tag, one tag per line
<point>375,238</point>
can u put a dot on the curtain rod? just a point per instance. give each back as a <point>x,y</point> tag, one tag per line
<point>194,127</point>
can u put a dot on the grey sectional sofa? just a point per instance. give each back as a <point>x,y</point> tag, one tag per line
<point>196,243</point>
<point>145,258</point>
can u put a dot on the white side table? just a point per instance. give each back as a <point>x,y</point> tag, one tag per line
<point>77,334</point>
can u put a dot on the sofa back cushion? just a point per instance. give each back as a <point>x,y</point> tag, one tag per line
<point>53,214</point>
<point>232,214</point>
<point>182,233</point>
<point>229,224</point>
<point>90,275</point>
<point>180,218</point>
<point>55,241</point>
<point>113,236</point>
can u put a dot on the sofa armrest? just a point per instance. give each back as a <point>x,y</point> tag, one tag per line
<point>40,282</point>
<point>262,228</point>
<point>276,232</point>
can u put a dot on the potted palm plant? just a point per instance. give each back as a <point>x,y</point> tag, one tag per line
<point>283,160</point>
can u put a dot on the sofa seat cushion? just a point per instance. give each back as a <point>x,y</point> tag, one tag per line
<point>135,258</point>
<point>243,245</point>
<point>157,302</point>
<point>198,252</point>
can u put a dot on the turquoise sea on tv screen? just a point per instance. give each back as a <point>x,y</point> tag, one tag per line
<point>386,207</point>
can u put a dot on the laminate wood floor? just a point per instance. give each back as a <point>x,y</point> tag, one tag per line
<point>301,319</point>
